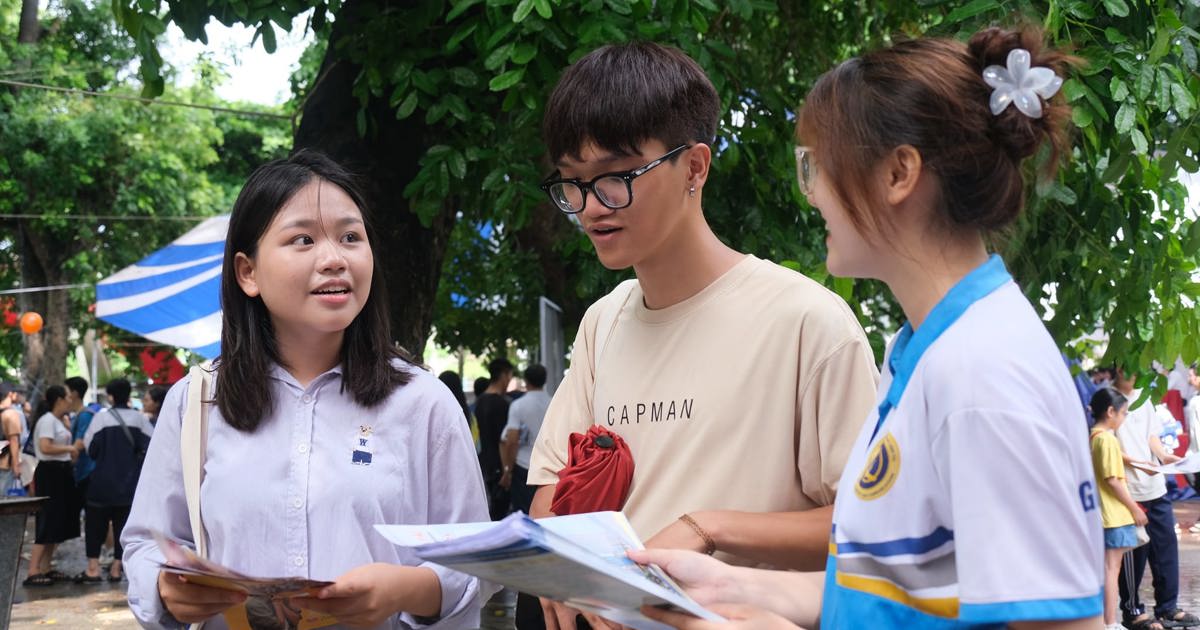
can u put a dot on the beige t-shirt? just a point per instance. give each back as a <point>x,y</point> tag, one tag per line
<point>746,396</point>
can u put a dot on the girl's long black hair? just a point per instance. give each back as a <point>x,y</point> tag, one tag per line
<point>248,346</point>
<point>53,394</point>
<point>1103,399</point>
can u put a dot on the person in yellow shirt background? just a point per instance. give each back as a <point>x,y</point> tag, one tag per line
<point>1119,513</point>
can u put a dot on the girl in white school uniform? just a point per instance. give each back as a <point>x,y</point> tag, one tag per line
<point>969,499</point>
<point>320,430</point>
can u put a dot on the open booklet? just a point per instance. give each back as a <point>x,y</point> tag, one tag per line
<point>1187,465</point>
<point>266,606</point>
<point>578,559</point>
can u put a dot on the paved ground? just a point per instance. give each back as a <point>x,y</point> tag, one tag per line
<point>103,606</point>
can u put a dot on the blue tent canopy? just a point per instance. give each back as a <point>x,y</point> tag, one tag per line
<point>172,296</point>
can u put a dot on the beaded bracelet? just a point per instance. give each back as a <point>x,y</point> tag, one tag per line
<point>710,545</point>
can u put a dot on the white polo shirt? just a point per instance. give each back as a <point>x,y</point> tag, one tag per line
<point>1140,425</point>
<point>973,503</point>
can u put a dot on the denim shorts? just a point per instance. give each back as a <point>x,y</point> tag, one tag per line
<point>1120,537</point>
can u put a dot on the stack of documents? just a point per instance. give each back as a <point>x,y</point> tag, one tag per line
<point>578,559</point>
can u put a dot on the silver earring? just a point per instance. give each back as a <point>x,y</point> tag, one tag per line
<point>692,191</point>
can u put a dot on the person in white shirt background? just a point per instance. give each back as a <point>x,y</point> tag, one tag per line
<point>1141,444</point>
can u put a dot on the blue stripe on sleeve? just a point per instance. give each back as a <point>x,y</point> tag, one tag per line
<point>1034,610</point>
<point>900,546</point>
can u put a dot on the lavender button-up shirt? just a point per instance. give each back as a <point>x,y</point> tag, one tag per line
<point>300,495</point>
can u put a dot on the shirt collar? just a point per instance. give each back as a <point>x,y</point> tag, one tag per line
<point>282,375</point>
<point>910,345</point>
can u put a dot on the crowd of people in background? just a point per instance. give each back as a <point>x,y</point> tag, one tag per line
<point>505,415</point>
<point>85,459</point>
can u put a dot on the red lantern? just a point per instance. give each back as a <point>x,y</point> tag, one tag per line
<point>31,323</point>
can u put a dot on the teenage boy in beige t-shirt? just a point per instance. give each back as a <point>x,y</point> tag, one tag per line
<point>738,385</point>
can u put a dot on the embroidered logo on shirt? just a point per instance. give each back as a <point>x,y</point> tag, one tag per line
<point>883,466</point>
<point>361,455</point>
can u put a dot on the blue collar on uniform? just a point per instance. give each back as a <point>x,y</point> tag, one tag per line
<point>910,346</point>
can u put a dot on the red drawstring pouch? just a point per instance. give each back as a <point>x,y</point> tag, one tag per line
<point>598,474</point>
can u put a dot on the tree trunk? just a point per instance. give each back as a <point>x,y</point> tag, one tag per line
<point>29,31</point>
<point>410,254</point>
<point>45,359</point>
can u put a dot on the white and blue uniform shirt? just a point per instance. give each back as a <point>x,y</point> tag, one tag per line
<point>969,499</point>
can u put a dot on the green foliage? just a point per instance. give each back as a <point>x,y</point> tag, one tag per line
<point>1109,237</point>
<point>67,158</point>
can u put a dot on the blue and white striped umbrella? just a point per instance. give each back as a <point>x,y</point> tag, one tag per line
<point>172,296</point>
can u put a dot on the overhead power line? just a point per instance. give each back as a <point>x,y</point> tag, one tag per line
<point>57,287</point>
<point>145,101</point>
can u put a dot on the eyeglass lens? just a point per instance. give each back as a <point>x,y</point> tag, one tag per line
<point>611,191</point>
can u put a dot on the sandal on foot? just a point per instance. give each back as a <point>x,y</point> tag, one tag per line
<point>1179,619</point>
<point>57,575</point>
<point>84,578</point>
<point>1145,623</point>
<point>114,578</point>
<point>41,579</point>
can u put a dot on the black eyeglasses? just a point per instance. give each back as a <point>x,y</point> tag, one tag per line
<point>614,190</point>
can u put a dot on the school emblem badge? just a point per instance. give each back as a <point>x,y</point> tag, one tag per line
<point>883,466</point>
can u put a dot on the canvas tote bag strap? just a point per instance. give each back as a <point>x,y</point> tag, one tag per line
<point>193,445</point>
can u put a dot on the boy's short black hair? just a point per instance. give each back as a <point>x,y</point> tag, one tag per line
<point>78,385</point>
<point>621,95</point>
<point>119,389</point>
<point>535,375</point>
<point>498,367</point>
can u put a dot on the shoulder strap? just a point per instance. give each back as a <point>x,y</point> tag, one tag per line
<point>607,321</point>
<point>124,427</point>
<point>193,446</point>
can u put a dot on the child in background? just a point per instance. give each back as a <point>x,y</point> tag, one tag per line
<point>1119,513</point>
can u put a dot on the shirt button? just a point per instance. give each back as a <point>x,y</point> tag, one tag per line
<point>297,503</point>
<point>303,448</point>
<point>306,399</point>
<point>299,561</point>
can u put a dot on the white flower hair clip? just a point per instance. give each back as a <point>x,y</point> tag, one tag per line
<point>1021,85</point>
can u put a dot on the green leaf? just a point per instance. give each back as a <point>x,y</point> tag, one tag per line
<point>458,165</point>
<point>1139,141</point>
<point>523,53</point>
<point>462,33</point>
<point>1116,8</point>
<point>1183,100</point>
<point>493,179</point>
<point>464,77</point>
<point>407,107</point>
<point>361,122</point>
<point>970,10</point>
<point>506,80</point>
<point>1082,116</point>
<point>1114,36</point>
<point>1145,81</point>
<point>1188,52</point>
<point>438,149</point>
<point>524,8</point>
<point>154,25</point>
<point>268,37</point>
<point>1118,89</point>
<point>1074,89</point>
<point>543,8</point>
<point>498,57</point>
<point>1126,116</point>
<point>460,8</point>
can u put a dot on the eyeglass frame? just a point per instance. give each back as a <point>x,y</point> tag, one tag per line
<point>589,186</point>
<point>806,168</point>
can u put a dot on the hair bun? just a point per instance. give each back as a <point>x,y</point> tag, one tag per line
<point>1017,134</point>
